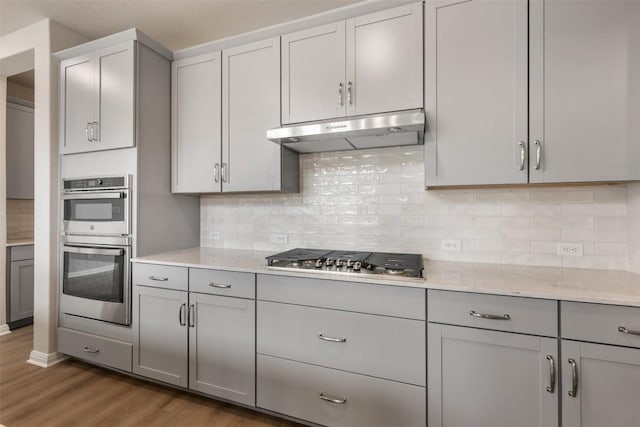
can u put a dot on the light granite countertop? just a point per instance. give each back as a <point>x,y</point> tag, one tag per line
<point>19,242</point>
<point>567,284</point>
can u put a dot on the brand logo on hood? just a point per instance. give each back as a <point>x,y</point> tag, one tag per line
<point>331,127</point>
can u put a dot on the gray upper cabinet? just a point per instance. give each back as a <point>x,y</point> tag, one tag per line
<point>196,124</point>
<point>19,151</point>
<point>585,90</point>
<point>368,64</point>
<point>97,100</point>
<point>476,92</point>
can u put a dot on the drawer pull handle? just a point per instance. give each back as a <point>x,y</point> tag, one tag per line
<point>338,400</point>
<point>220,285</point>
<point>325,338</point>
<point>574,378</point>
<point>158,279</point>
<point>87,349</point>
<point>489,316</point>
<point>624,330</point>
<point>552,374</point>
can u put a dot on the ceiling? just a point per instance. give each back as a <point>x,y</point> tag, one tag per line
<point>177,24</point>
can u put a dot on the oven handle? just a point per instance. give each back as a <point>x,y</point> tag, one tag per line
<point>90,195</point>
<point>93,251</point>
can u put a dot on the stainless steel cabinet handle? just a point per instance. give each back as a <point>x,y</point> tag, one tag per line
<point>552,374</point>
<point>192,315</point>
<point>574,378</point>
<point>181,315</point>
<point>350,93</point>
<point>88,349</point>
<point>86,131</point>
<point>523,155</point>
<point>224,172</point>
<point>338,400</point>
<point>216,173</point>
<point>624,330</point>
<point>322,337</point>
<point>91,131</point>
<point>158,279</point>
<point>95,131</point>
<point>220,285</point>
<point>490,316</point>
<point>340,97</point>
<point>538,153</point>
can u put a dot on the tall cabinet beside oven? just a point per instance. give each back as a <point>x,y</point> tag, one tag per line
<point>117,124</point>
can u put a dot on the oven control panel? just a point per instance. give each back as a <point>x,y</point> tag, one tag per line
<point>96,183</point>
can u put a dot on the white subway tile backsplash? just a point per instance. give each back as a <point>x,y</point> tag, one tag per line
<point>375,200</point>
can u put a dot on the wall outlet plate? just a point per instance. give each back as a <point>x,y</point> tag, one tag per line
<point>570,249</point>
<point>451,245</point>
<point>214,235</point>
<point>278,238</point>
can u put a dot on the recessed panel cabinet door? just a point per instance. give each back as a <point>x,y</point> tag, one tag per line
<point>607,385</point>
<point>77,103</point>
<point>585,90</point>
<point>195,118</point>
<point>222,347</point>
<point>250,107</point>
<point>313,74</point>
<point>487,378</point>
<point>21,304</point>
<point>476,92</point>
<point>384,61</point>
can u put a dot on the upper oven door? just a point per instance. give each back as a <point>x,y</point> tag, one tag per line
<point>96,212</point>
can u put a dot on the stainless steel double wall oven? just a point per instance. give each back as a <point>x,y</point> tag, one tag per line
<point>96,248</point>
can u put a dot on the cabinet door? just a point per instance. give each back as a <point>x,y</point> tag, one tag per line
<point>21,289</point>
<point>196,121</point>
<point>476,92</point>
<point>160,330</point>
<point>585,90</point>
<point>313,74</point>
<point>608,385</point>
<point>384,61</point>
<point>77,103</point>
<point>250,105</point>
<point>19,151</point>
<point>490,379</point>
<point>222,347</point>
<point>115,97</point>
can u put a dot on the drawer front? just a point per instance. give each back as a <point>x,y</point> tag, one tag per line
<point>294,388</point>
<point>105,351</point>
<point>379,346</point>
<point>386,300</point>
<point>607,324</point>
<point>160,276</point>
<point>227,283</point>
<point>501,313</point>
<point>19,253</point>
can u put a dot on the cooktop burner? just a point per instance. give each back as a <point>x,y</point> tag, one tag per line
<point>348,262</point>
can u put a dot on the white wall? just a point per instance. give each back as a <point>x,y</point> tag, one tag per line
<point>31,47</point>
<point>375,199</point>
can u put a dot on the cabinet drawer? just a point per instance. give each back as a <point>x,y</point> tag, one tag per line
<point>294,389</point>
<point>601,323</point>
<point>160,276</point>
<point>218,282</point>
<point>105,351</point>
<point>379,346</point>
<point>19,253</point>
<point>501,313</point>
<point>386,300</point>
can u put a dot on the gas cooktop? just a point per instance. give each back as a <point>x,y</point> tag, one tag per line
<point>349,262</point>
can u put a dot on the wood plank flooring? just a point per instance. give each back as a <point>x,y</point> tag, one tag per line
<point>73,393</point>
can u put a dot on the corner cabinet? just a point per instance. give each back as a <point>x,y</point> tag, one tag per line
<point>369,64</point>
<point>97,100</point>
<point>221,112</point>
<point>576,122</point>
<point>19,144</point>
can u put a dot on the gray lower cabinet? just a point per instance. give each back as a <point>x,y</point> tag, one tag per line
<point>20,282</point>
<point>95,349</point>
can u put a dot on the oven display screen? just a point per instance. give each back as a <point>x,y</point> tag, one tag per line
<point>94,210</point>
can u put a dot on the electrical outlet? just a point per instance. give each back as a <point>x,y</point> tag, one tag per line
<point>278,238</point>
<point>214,235</point>
<point>570,249</point>
<point>451,245</point>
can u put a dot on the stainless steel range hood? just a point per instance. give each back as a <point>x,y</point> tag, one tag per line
<point>372,131</point>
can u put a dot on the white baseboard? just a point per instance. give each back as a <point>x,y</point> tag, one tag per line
<point>45,360</point>
<point>4,330</point>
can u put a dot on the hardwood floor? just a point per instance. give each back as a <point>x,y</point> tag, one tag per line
<point>73,393</point>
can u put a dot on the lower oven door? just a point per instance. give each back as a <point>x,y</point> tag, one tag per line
<point>96,283</point>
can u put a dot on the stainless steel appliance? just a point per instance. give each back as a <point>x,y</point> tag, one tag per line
<point>96,248</point>
<point>372,264</point>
